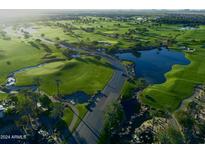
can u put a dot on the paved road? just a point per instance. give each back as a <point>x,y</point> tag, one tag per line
<point>92,124</point>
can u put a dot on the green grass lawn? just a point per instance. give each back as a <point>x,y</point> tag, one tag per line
<point>82,112</point>
<point>102,30</point>
<point>15,54</point>
<point>86,74</point>
<point>3,96</point>
<point>52,32</point>
<point>128,87</point>
<point>68,116</point>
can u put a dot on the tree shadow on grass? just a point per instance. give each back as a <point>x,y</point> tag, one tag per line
<point>100,63</point>
<point>150,98</point>
<point>69,66</point>
<point>34,45</point>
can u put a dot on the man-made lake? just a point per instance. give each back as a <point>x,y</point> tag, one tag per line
<point>153,64</point>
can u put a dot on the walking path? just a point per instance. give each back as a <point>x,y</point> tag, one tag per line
<point>75,116</point>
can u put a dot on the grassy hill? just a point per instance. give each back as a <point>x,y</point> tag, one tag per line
<point>86,74</point>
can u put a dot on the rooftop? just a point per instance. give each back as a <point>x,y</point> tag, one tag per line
<point>1,108</point>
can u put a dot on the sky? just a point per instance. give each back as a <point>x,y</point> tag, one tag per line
<point>102,4</point>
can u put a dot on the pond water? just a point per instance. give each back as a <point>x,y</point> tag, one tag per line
<point>188,28</point>
<point>153,64</point>
<point>11,80</point>
<point>14,88</point>
<point>77,97</point>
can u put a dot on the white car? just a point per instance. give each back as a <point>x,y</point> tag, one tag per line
<point>72,102</point>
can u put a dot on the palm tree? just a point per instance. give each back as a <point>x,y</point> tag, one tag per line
<point>153,114</point>
<point>37,81</point>
<point>58,82</point>
<point>167,115</point>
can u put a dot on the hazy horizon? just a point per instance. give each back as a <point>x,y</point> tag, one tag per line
<point>105,4</point>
